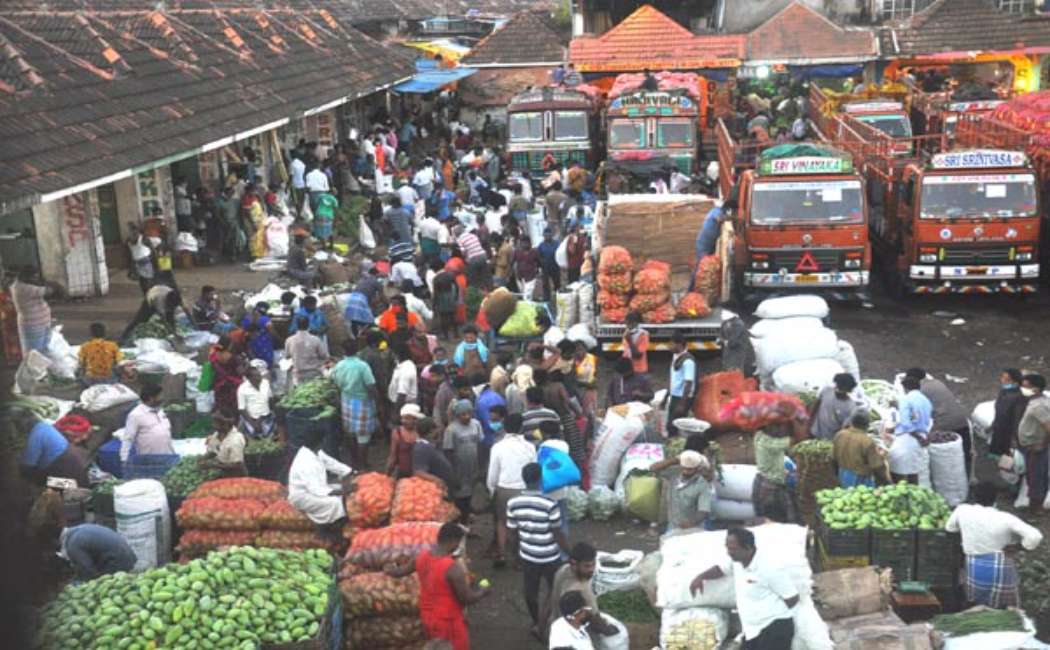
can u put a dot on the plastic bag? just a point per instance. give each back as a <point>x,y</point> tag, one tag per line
<point>602,503</point>
<point>948,471</point>
<point>364,234</point>
<point>784,347</point>
<point>214,513</point>
<point>376,594</point>
<point>708,279</point>
<point>281,515</point>
<point>64,362</point>
<point>522,323</point>
<point>277,239</point>
<point>565,302</point>
<point>559,470</point>
<point>809,376</point>
<point>241,488</point>
<point>103,396</point>
<point>561,256</point>
<point>735,482</point>
<point>767,326</point>
<point>642,496</point>
<point>619,429</point>
<point>207,380</point>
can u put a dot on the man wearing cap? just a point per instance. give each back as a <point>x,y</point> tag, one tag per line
<point>690,492</point>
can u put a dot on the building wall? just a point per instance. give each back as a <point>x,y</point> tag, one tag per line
<point>69,240</point>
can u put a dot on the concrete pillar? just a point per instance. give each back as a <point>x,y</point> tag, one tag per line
<point>128,210</point>
<point>69,239</point>
<point>577,19</point>
<point>47,222</point>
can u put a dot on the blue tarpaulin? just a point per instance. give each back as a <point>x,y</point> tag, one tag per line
<point>830,70</point>
<point>427,81</point>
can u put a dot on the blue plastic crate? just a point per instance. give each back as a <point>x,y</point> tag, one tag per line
<point>109,458</point>
<point>149,465</point>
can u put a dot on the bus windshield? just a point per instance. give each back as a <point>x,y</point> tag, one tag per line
<point>785,203</point>
<point>627,134</point>
<point>526,127</point>
<point>895,126</point>
<point>674,133</point>
<point>978,196</point>
<point>570,125</point>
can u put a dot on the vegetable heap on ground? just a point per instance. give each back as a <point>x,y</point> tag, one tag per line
<point>628,606</point>
<point>186,476</point>
<point>238,598</point>
<point>983,620</point>
<point>888,507</point>
<point>316,393</point>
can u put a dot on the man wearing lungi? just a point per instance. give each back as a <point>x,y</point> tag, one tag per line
<point>357,386</point>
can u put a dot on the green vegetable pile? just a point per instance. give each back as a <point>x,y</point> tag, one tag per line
<point>106,486</point>
<point>261,446</point>
<point>813,448</point>
<point>986,620</point>
<point>238,598</point>
<point>186,476</point>
<point>887,507</point>
<point>628,606</point>
<point>154,328</point>
<point>1034,573</point>
<point>43,408</point>
<point>316,393</point>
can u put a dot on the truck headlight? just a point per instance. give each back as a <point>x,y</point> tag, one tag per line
<point>852,263</point>
<point>1023,257</point>
<point>928,257</point>
<point>759,264</point>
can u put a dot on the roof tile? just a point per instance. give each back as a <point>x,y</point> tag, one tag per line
<point>799,32</point>
<point>526,39</point>
<point>964,26</point>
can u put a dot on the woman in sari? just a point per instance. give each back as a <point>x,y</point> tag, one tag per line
<point>585,366</point>
<point>260,345</point>
<point>229,372</point>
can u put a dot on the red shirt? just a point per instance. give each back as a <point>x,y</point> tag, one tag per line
<point>437,600</point>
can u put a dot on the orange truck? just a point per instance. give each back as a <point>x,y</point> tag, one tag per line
<point>800,223</point>
<point>952,219</point>
<point>936,112</point>
<point>884,110</point>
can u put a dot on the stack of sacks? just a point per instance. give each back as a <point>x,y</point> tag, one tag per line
<point>614,283</point>
<point>368,502</point>
<point>708,279</point>
<point>243,512</point>
<point>685,556</point>
<point>794,352</point>
<point>652,293</point>
<point>734,488</point>
<point>855,602</point>
<point>631,81</point>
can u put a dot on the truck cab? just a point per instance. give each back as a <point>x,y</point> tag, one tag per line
<point>888,117</point>
<point>549,128</point>
<point>965,222</point>
<point>801,222</point>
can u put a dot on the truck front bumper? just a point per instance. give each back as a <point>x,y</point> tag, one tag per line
<point>1005,278</point>
<point>828,280</point>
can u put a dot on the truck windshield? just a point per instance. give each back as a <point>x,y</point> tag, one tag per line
<point>674,133</point>
<point>895,126</point>
<point>526,127</point>
<point>978,196</point>
<point>627,134</point>
<point>570,125</point>
<point>784,203</point>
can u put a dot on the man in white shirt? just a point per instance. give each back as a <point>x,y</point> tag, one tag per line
<point>989,539</point>
<point>508,456</point>
<point>316,184</point>
<point>570,629</point>
<point>307,352</point>
<point>253,404</point>
<point>403,387</point>
<point>409,196</point>
<point>298,171</point>
<point>423,180</point>
<point>414,303</point>
<point>147,430</point>
<point>765,595</point>
<point>308,488</point>
<point>405,271</point>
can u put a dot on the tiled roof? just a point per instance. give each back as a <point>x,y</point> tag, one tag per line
<point>649,39</point>
<point>525,39</point>
<point>86,94</point>
<point>964,26</point>
<point>800,33</point>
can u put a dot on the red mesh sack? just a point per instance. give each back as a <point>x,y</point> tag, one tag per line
<point>693,305</point>
<point>708,279</point>
<point>241,488</point>
<point>416,499</point>
<point>614,315</point>
<point>615,259</point>
<point>213,513</point>
<point>615,282</point>
<point>368,504</point>
<point>281,515</point>
<point>607,300</point>
<point>195,543</point>
<point>652,281</point>
<point>376,547</point>
<point>663,314</point>
<point>296,540</point>
<point>753,410</point>
<point>376,594</point>
<point>715,390</point>
<point>657,265</point>
<point>388,632</point>
<point>648,301</point>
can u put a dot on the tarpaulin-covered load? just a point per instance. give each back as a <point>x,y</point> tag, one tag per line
<point>1030,112</point>
<point>791,150</point>
<point>692,84</point>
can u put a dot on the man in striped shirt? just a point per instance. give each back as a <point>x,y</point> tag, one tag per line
<point>536,414</point>
<point>534,522</point>
<point>475,256</point>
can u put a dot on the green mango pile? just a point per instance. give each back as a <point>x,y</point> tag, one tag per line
<point>240,599</point>
<point>887,507</point>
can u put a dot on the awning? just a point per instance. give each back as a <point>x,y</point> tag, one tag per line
<point>428,81</point>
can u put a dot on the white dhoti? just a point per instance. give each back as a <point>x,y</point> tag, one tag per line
<point>320,510</point>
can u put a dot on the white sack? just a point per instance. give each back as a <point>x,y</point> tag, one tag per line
<point>782,348</point>
<point>618,431</point>
<point>948,471</point>
<point>64,361</point>
<point>736,483</point>
<point>767,326</point>
<point>981,420</point>
<point>809,376</point>
<point>608,578</point>
<point>847,358</point>
<point>565,304</point>
<point>581,332</point>
<point>732,511</point>
<point>103,396</point>
<point>143,520</point>
<point>788,306</point>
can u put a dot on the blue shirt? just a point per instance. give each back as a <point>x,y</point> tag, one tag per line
<point>485,402</point>
<point>548,251</point>
<point>707,238</point>
<point>357,309</point>
<point>679,376</point>
<point>318,323</point>
<point>44,446</point>
<point>916,413</point>
<point>443,199</point>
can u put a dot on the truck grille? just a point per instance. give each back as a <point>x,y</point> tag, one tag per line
<point>533,160</point>
<point>826,258</point>
<point>975,256</point>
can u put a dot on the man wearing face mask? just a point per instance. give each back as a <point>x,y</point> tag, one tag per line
<point>1033,436</point>
<point>833,408</point>
<point>147,430</point>
<point>1009,409</point>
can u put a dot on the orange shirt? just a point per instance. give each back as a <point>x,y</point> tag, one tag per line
<point>98,356</point>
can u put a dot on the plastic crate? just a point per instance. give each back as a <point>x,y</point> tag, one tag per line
<point>149,465</point>
<point>843,542</point>
<point>833,562</point>
<point>894,549</point>
<point>938,558</point>
<point>108,458</point>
